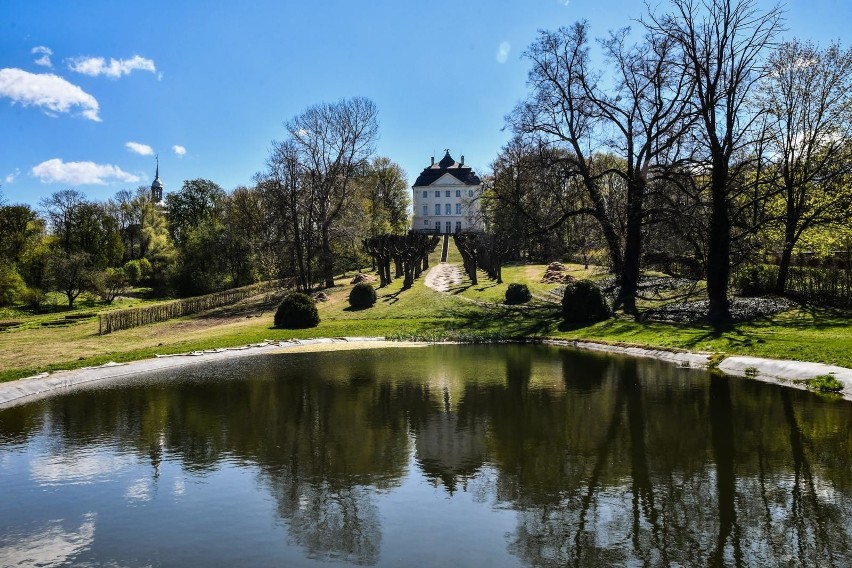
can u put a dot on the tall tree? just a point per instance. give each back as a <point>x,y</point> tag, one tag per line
<point>807,95</point>
<point>639,119</point>
<point>386,192</point>
<point>724,44</point>
<point>335,141</point>
<point>288,198</point>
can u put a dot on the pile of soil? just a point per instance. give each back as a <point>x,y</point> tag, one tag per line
<point>363,277</point>
<point>556,273</point>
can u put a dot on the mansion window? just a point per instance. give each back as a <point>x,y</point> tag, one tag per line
<point>448,209</point>
<point>458,226</point>
<point>425,194</point>
<point>447,193</point>
<point>437,209</point>
<point>426,222</point>
<point>437,226</point>
<point>425,210</point>
<point>470,193</point>
<point>458,193</point>
<point>458,208</point>
<point>437,194</point>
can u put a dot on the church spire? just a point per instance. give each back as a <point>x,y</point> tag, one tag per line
<point>157,186</point>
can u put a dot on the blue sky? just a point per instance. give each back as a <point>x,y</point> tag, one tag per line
<point>216,80</point>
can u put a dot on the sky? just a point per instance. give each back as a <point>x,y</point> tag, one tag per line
<point>91,91</point>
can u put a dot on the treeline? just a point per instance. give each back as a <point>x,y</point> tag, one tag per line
<point>698,142</point>
<point>323,191</point>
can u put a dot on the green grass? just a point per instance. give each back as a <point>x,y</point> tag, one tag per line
<point>825,383</point>
<point>466,313</point>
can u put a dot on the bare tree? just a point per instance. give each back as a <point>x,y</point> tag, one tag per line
<point>724,44</point>
<point>639,120</point>
<point>334,141</point>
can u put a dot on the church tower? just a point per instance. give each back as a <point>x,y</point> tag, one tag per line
<point>157,186</point>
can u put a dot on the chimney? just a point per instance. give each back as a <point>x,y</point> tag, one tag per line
<point>462,159</point>
<point>433,160</point>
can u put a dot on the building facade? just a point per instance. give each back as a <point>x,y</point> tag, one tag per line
<point>446,198</point>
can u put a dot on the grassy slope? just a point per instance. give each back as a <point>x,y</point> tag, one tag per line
<point>424,313</point>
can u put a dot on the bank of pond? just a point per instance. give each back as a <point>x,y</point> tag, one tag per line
<point>527,455</point>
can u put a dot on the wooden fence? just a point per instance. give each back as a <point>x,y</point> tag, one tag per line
<point>135,317</point>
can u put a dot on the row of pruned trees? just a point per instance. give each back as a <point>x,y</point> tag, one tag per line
<point>702,134</point>
<point>408,252</point>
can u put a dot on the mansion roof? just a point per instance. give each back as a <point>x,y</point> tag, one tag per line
<point>447,165</point>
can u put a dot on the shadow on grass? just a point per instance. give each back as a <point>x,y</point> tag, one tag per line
<point>486,287</point>
<point>502,320</point>
<point>357,309</point>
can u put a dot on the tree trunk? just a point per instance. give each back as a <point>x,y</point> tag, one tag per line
<point>327,257</point>
<point>786,254</point>
<point>629,276</point>
<point>719,249</point>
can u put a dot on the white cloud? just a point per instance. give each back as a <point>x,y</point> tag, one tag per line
<point>503,52</point>
<point>179,150</point>
<point>51,92</point>
<point>95,66</point>
<point>45,53</point>
<point>141,149</point>
<point>80,173</point>
<point>11,177</point>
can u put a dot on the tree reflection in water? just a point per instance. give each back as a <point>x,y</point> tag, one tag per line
<point>604,460</point>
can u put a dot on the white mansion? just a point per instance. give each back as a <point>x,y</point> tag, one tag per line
<point>446,197</point>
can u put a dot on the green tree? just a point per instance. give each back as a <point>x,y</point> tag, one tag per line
<point>807,95</point>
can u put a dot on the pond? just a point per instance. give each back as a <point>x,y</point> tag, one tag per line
<point>505,455</point>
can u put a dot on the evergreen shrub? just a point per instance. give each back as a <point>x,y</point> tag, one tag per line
<point>363,295</point>
<point>297,311</point>
<point>583,302</point>
<point>518,294</point>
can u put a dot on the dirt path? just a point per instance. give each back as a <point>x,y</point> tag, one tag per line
<point>443,276</point>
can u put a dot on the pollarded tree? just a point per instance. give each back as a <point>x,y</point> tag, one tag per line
<point>807,95</point>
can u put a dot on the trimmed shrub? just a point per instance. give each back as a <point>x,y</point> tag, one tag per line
<point>297,310</point>
<point>363,295</point>
<point>518,294</point>
<point>583,302</point>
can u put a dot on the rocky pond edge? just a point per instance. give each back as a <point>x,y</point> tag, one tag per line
<point>777,371</point>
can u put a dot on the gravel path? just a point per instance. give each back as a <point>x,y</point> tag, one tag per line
<point>443,276</point>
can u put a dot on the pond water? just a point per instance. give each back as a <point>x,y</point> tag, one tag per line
<point>436,456</point>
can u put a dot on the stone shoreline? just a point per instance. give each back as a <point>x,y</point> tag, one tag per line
<point>781,372</point>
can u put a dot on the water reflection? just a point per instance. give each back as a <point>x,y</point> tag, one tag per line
<point>600,460</point>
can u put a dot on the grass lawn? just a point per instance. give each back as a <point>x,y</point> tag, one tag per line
<point>466,312</point>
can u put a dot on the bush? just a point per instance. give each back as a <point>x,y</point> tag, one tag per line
<point>297,310</point>
<point>363,295</point>
<point>12,286</point>
<point>518,294</point>
<point>133,270</point>
<point>756,280</point>
<point>583,302</point>
<point>34,298</point>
